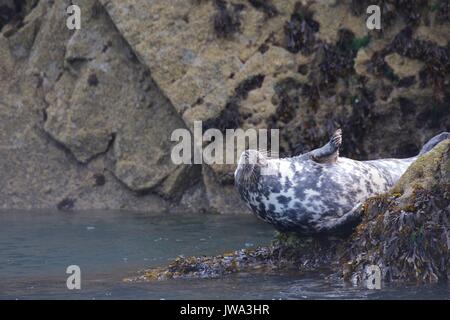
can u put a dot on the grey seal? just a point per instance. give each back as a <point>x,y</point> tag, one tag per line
<point>317,192</point>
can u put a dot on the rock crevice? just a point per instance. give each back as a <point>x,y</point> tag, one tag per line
<point>112,92</point>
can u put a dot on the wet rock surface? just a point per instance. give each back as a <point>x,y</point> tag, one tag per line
<point>287,253</point>
<point>102,101</point>
<point>404,232</point>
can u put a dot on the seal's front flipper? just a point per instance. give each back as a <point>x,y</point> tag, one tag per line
<point>329,153</point>
<point>345,224</point>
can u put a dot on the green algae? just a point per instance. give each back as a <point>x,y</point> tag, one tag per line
<point>358,43</point>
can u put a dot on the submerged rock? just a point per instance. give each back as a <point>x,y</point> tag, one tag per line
<point>287,253</point>
<point>243,260</point>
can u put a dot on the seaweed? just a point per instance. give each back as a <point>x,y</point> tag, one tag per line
<point>290,96</point>
<point>299,30</point>
<point>13,13</point>
<point>263,48</point>
<point>411,11</point>
<point>358,43</point>
<point>379,67</point>
<point>97,10</point>
<point>358,7</point>
<point>229,117</point>
<point>226,20</point>
<point>356,125</point>
<point>406,106</point>
<point>432,116</point>
<point>435,57</point>
<point>406,82</point>
<point>257,260</point>
<point>405,232</point>
<point>302,69</point>
<point>287,91</point>
<point>249,84</point>
<point>330,63</point>
<point>406,244</point>
<point>286,252</point>
<point>442,11</point>
<point>265,6</point>
<point>336,61</point>
<point>66,204</point>
<point>93,80</point>
<point>7,14</point>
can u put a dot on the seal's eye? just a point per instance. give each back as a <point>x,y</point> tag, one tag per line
<point>251,159</point>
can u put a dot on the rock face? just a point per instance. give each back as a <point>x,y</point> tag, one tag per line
<point>407,232</point>
<point>85,101</point>
<point>87,114</point>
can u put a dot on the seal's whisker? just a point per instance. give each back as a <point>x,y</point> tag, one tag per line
<point>253,177</point>
<point>269,154</point>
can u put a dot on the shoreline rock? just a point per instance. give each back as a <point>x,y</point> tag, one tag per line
<point>405,232</point>
<point>103,100</point>
<point>283,255</point>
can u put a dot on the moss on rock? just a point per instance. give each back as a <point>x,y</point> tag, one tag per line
<point>406,232</point>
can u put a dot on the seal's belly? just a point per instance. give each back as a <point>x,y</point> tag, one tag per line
<point>306,194</point>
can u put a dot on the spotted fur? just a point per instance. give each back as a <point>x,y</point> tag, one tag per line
<point>308,196</point>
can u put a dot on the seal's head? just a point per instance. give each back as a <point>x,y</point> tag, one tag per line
<point>249,168</point>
